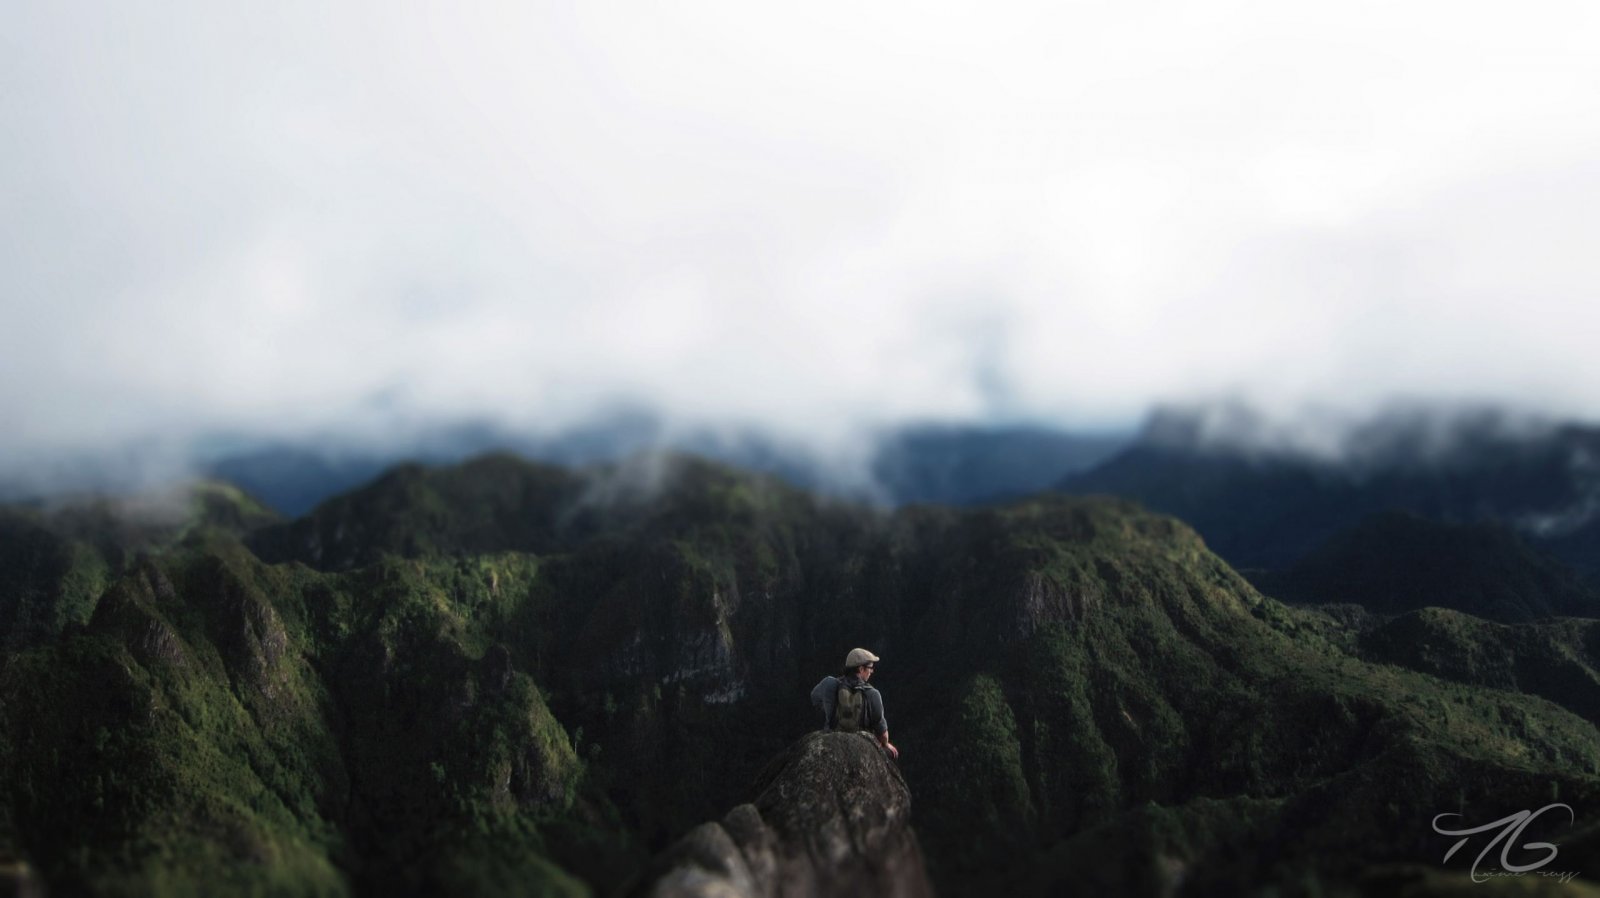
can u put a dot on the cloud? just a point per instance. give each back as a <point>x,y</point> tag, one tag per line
<point>814,219</point>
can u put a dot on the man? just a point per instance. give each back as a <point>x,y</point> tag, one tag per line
<point>849,705</point>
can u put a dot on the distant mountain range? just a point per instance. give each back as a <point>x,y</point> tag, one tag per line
<point>931,463</point>
<point>1396,562</point>
<point>503,678</point>
<point>1268,506</point>
<point>1262,502</point>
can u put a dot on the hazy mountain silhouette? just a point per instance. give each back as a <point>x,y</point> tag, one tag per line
<point>1397,562</point>
<point>925,463</point>
<point>1268,507</point>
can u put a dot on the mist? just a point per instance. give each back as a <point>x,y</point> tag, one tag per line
<point>354,226</point>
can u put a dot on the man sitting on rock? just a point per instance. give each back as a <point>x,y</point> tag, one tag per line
<point>849,705</point>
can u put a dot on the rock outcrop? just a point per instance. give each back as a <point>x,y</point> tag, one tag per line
<point>832,817</point>
<point>17,880</point>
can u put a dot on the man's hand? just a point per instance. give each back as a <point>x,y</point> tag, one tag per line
<point>883,740</point>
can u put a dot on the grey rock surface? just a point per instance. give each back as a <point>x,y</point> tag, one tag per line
<point>831,817</point>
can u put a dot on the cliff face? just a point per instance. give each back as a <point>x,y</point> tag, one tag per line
<point>832,818</point>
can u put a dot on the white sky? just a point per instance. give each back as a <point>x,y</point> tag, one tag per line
<point>809,217</point>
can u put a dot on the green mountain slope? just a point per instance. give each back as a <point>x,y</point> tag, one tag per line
<point>1140,669</point>
<point>504,678</point>
<point>1556,659</point>
<point>259,730</point>
<point>55,561</point>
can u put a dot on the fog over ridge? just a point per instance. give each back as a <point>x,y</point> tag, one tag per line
<point>354,226</point>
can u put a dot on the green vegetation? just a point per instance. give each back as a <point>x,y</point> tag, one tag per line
<point>271,730</point>
<point>503,678</point>
<point>1555,658</point>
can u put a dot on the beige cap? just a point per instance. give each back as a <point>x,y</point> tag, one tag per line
<point>858,657</point>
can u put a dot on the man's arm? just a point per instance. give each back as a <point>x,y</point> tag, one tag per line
<point>881,725</point>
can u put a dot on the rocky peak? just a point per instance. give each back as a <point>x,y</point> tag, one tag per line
<point>832,817</point>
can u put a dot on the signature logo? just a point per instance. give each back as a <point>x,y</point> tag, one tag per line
<point>1511,828</point>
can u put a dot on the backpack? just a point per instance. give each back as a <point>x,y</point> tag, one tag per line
<point>850,709</point>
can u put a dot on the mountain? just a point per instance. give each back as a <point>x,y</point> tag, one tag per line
<point>965,465</point>
<point>1397,562</point>
<point>56,558</point>
<point>1266,505</point>
<point>294,476</point>
<point>831,818</point>
<point>914,463</point>
<point>503,677</point>
<point>1555,659</point>
<point>225,727</point>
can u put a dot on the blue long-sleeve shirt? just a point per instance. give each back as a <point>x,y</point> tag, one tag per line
<point>826,694</point>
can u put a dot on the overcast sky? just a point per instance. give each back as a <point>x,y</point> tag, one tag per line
<point>815,217</point>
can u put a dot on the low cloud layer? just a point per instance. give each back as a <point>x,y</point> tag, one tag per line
<point>814,219</point>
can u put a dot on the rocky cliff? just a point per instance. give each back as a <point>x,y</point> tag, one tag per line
<point>832,818</point>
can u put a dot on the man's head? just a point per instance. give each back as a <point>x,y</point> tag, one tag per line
<point>860,663</point>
